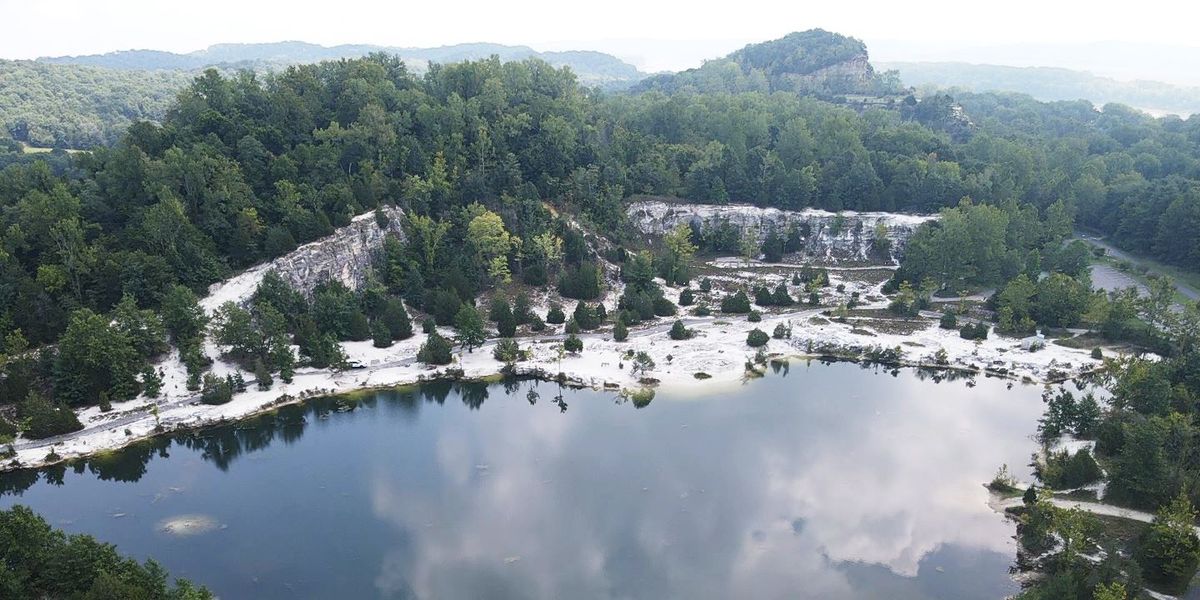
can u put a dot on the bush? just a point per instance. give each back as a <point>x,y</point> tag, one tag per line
<point>45,419</point>
<point>216,390</point>
<point>572,327</point>
<point>754,316</point>
<point>663,307</point>
<point>687,297</point>
<point>585,316</point>
<point>435,351</point>
<point>948,321</point>
<point>507,351</point>
<point>380,336</point>
<point>974,331</point>
<point>1169,551</point>
<point>702,311</point>
<point>620,331</point>
<point>536,323</point>
<point>573,344</point>
<point>737,303</point>
<point>1065,471</point>
<point>556,316</point>
<point>360,328</point>
<point>428,325</point>
<point>757,338</point>
<point>396,319</point>
<point>782,331</point>
<point>1097,353</point>
<point>679,332</point>
<point>706,285</point>
<point>814,299</point>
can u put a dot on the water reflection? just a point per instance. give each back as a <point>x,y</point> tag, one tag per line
<point>814,482</point>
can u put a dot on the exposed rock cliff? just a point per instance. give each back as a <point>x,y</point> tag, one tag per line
<point>346,256</point>
<point>845,236</point>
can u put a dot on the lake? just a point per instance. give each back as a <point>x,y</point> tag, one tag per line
<point>817,481</point>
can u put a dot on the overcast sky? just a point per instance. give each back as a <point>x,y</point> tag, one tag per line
<point>654,35</point>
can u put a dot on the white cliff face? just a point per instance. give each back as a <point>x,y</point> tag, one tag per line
<point>348,255</point>
<point>844,236</point>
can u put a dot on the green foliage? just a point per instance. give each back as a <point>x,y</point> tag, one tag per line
<point>436,350</point>
<point>757,338</point>
<point>216,390</point>
<point>679,332</point>
<point>469,326</point>
<point>620,331</point>
<point>948,320</point>
<point>642,364</point>
<point>396,320</point>
<point>45,419</point>
<point>687,297</point>
<point>556,316</point>
<point>507,351</point>
<point>573,344</point>
<point>782,331</point>
<point>974,331</point>
<point>42,562</point>
<point>737,303</point>
<point>1169,551</point>
<point>95,357</point>
<point>1063,470</point>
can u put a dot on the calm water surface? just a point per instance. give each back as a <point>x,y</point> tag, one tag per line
<point>821,481</point>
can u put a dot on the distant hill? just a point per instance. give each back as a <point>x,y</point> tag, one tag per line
<point>815,62</point>
<point>592,68</point>
<point>1051,84</point>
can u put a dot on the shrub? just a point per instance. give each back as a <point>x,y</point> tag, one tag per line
<point>45,419</point>
<point>782,331</point>
<point>663,307</point>
<point>687,297</point>
<point>507,351</point>
<point>754,316</point>
<point>556,316</point>
<point>536,323</point>
<point>642,364</point>
<point>396,319</point>
<point>1097,353</point>
<point>1169,550</point>
<point>702,311</point>
<point>974,331</point>
<point>814,299</point>
<point>948,321</point>
<point>380,336</point>
<point>679,332</point>
<point>216,390</point>
<point>585,316</point>
<point>737,303</point>
<point>573,344</point>
<point>1063,470</point>
<point>428,325</point>
<point>757,338</point>
<point>620,331</point>
<point>706,285</point>
<point>435,351</point>
<point>572,326</point>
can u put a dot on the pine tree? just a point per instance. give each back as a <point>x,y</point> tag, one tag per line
<point>265,381</point>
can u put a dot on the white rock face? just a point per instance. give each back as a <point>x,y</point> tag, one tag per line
<point>844,236</point>
<point>346,256</point>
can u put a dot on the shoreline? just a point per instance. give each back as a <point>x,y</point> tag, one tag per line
<point>715,358</point>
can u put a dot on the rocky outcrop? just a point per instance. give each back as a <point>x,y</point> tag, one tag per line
<point>844,236</point>
<point>346,256</point>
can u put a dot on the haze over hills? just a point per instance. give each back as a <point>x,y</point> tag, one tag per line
<point>1051,84</point>
<point>592,68</point>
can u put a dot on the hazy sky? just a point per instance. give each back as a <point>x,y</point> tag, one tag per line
<point>654,35</point>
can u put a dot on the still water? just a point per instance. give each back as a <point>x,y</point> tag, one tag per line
<point>819,481</point>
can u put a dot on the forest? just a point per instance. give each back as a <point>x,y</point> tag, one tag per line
<point>104,254</point>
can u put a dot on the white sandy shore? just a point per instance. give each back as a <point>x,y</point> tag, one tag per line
<point>718,349</point>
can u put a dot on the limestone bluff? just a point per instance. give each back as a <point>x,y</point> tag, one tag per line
<point>828,236</point>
